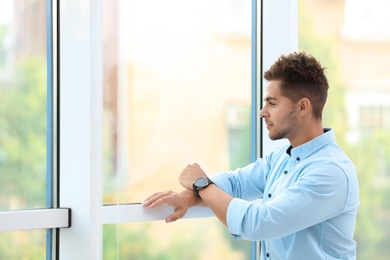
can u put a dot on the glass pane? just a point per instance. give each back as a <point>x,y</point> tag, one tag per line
<point>22,104</point>
<point>177,90</point>
<point>158,240</point>
<point>352,39</point>
<point>23,245</point>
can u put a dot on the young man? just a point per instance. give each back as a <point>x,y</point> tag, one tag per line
<point>309,188</point>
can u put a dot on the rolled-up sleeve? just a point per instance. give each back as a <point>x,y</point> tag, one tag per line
<point>235,214</point>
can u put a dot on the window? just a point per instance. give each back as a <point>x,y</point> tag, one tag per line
<point>23,146</point>
<point>98,51</point>
<point>169,80</point>
<point>375,117</point>
<point>109,86</point>
<point>23,122</point>
<point>28,134</point>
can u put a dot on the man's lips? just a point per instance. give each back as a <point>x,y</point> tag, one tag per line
<point>268,124</point>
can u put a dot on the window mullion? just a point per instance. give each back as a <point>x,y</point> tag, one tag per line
<point>80,94</point>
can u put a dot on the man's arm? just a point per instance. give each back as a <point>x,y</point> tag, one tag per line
<point>212,196</point>
<point>215,198</point>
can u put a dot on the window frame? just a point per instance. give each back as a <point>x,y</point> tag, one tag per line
<point>78,95</point>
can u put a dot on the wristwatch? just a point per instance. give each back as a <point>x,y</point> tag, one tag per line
<point>200,184</point>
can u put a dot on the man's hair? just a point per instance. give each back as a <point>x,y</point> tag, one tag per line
<point>301,75</point>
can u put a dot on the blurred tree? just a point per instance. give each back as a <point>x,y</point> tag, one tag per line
<point>371,157</point>
<point>135,243</point>
<point>23,245</point>
<point>23,138</point>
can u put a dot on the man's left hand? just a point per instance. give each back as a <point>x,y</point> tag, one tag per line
<point>189,174</point>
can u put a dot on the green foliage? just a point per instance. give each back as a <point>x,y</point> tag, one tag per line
<point>23,155</point>
<point>23,245</point>
<point>136,244</point>
<point>23,138</point>
<point>239,139</point>
<point>371,160</point>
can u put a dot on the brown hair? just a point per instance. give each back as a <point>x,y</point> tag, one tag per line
<point>301,75</point>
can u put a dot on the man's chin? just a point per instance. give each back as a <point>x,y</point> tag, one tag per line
<point>274,137</point>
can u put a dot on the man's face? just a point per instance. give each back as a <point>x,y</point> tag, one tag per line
<point>279,113</point>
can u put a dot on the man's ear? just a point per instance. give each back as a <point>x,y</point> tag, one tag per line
<point>304,105</point>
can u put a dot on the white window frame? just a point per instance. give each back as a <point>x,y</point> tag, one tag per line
<point>279,36</point>
<point>80,131</point>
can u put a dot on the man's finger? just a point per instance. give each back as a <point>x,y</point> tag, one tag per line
<point>179,213</point>
<point>154,200</point>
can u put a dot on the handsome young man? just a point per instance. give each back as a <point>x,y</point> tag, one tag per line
<point>309,188</point>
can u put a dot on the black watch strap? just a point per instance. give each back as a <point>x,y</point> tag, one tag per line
<point>197,189</point>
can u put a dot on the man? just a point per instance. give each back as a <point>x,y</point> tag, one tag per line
<point>309,188</point>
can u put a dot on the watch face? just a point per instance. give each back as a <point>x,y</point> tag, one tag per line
<point>201,182</point>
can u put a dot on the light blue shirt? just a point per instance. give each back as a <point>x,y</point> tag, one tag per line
<point>310,200</point>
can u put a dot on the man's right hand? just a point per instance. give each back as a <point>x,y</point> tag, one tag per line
<point>179,201</point>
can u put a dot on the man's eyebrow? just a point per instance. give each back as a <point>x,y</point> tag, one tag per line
<point>269,98</point>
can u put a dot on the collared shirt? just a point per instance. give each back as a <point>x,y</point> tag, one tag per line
<point>310,197</point>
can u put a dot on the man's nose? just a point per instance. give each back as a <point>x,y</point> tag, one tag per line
<point>262,113</point>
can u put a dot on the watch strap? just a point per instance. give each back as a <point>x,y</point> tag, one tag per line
<point>197,189</point>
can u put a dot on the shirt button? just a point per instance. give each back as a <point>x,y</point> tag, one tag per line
<point>298,159</point>
<point>269,195</point>
<point>267,255</point>
<point>285,172</point>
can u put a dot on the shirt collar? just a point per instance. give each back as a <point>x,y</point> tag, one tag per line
<point>306,149</point>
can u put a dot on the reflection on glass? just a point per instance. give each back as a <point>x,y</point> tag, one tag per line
<point>177,90</point>
<point>179,240</point>
<point>354,44</point>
